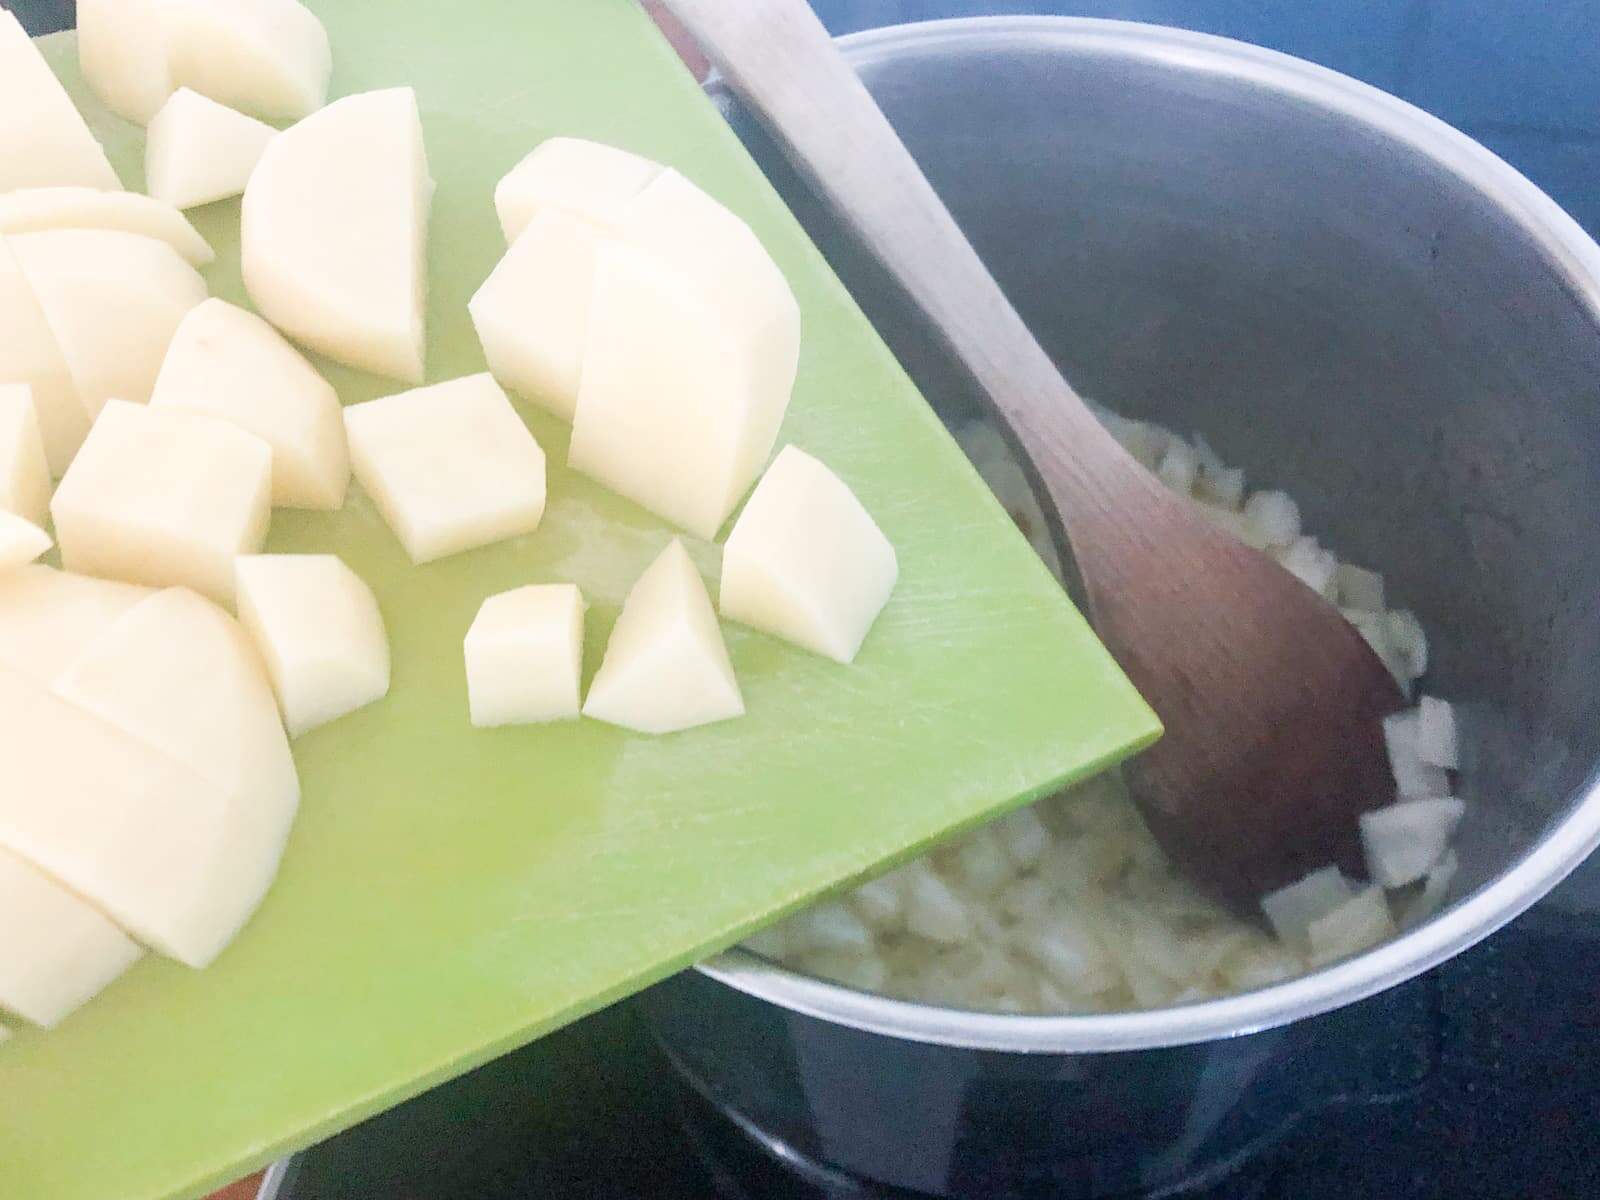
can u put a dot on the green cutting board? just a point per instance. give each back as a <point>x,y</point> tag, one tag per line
<point>450,893</point>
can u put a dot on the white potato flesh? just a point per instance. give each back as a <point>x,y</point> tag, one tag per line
<point>319,630</point>
<point>524,656</point>
<point>228,363</point>
<point>587,179</point>
<point>1412,776</point>
<point>532,313</point>
<point>451,467</point>
<point>1291,910</point>
<point>167,854</point>
<point>178,674</point>
<point>122,52</point>
<point>666,667</point>
<point>333,233</point>
<point>60,950</point>
<point>43,140</point>
<point>38,210</point>
<point>164,498</point>
<point>1436,733</point>
<point>113,301</point>
<point>24,469</point>
<point>21,541</point>
<point>666,405</point>
<point>1359,923</point>
<point>48,616</point>
<point>30,354</point>
<point>1403,841</point>
<point>682,225</point>
<point>805,561</point>
<point>268,58</point>
<point>197,151</point>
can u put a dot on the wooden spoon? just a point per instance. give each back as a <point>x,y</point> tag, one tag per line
<point>1272,701</point>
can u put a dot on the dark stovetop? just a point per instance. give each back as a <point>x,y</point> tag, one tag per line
<point>1514,1092</point>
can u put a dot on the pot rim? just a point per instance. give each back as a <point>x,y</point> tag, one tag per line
<point>1576,258</point>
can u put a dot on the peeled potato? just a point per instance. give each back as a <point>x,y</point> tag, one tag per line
<point>317,626</point>
<point>113,301</point>
<point>583,178</point>
<point>165,498</point>
<point>122,52</point>
<point>24,470</point>
<point>48,616</point>
<point>666,667</point>
<point>333,233</point>
<point>60,950</point>
<point>30,354</point>
<point>227,363</point>
<point>175,859</point>
<point>43,140</point>
<point>36,210</point>
<point>532,313</point>
<point>181,676</point>
<point>21,541</point>
<point>690,358</point>
<point>524,656</point>
<point>268,58</point>
<point>805,561</point>
<point>451,467</point>
<point>197,151</point>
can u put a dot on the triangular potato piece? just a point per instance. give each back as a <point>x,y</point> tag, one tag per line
<point>197,151</point>
<point>43,139</point>
<point>60,949</point>
<point>666,667</point>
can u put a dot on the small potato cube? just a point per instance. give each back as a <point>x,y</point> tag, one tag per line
<point>451,466</point>
<point>524,656</point>
<point>318,627</point>
<point>805,561</point>
<point>24,470</point>
<point>164,498</point>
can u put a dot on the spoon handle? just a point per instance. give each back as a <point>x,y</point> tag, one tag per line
<point>782,63</point>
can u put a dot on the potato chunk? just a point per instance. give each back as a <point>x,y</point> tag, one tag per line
<point>524,656</point>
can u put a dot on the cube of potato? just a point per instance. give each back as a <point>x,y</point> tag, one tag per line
<point>524,656</point>
<point>30,354</point>
<point>48,616</point>
<point>60,950</point>
<point>43,140</point>
<point>450,466</point>
<point>690,358</point>
<point>21,541</point>
<point>532,313</point>
<point>587,179</point>
<point>162,497</point>
<point>229,363</point>
<point>318,627</point>
<point>666,667</point>
<point>197,151</point>
<point>805,561</point>
<point>24,469</point>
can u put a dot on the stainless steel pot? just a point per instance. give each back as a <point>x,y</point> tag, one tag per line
<point>1352,301</point>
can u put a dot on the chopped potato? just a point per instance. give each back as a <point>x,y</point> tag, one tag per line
<point>666,667</point>
<point>37,210</point>
<point>43,140</point>
<point>198,151</point>
<point>24,469</point>
<point>524,656</point>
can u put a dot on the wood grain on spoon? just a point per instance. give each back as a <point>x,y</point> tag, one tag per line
<point>1272,702</point>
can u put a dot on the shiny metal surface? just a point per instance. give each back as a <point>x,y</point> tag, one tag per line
<point>1352,301</point>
